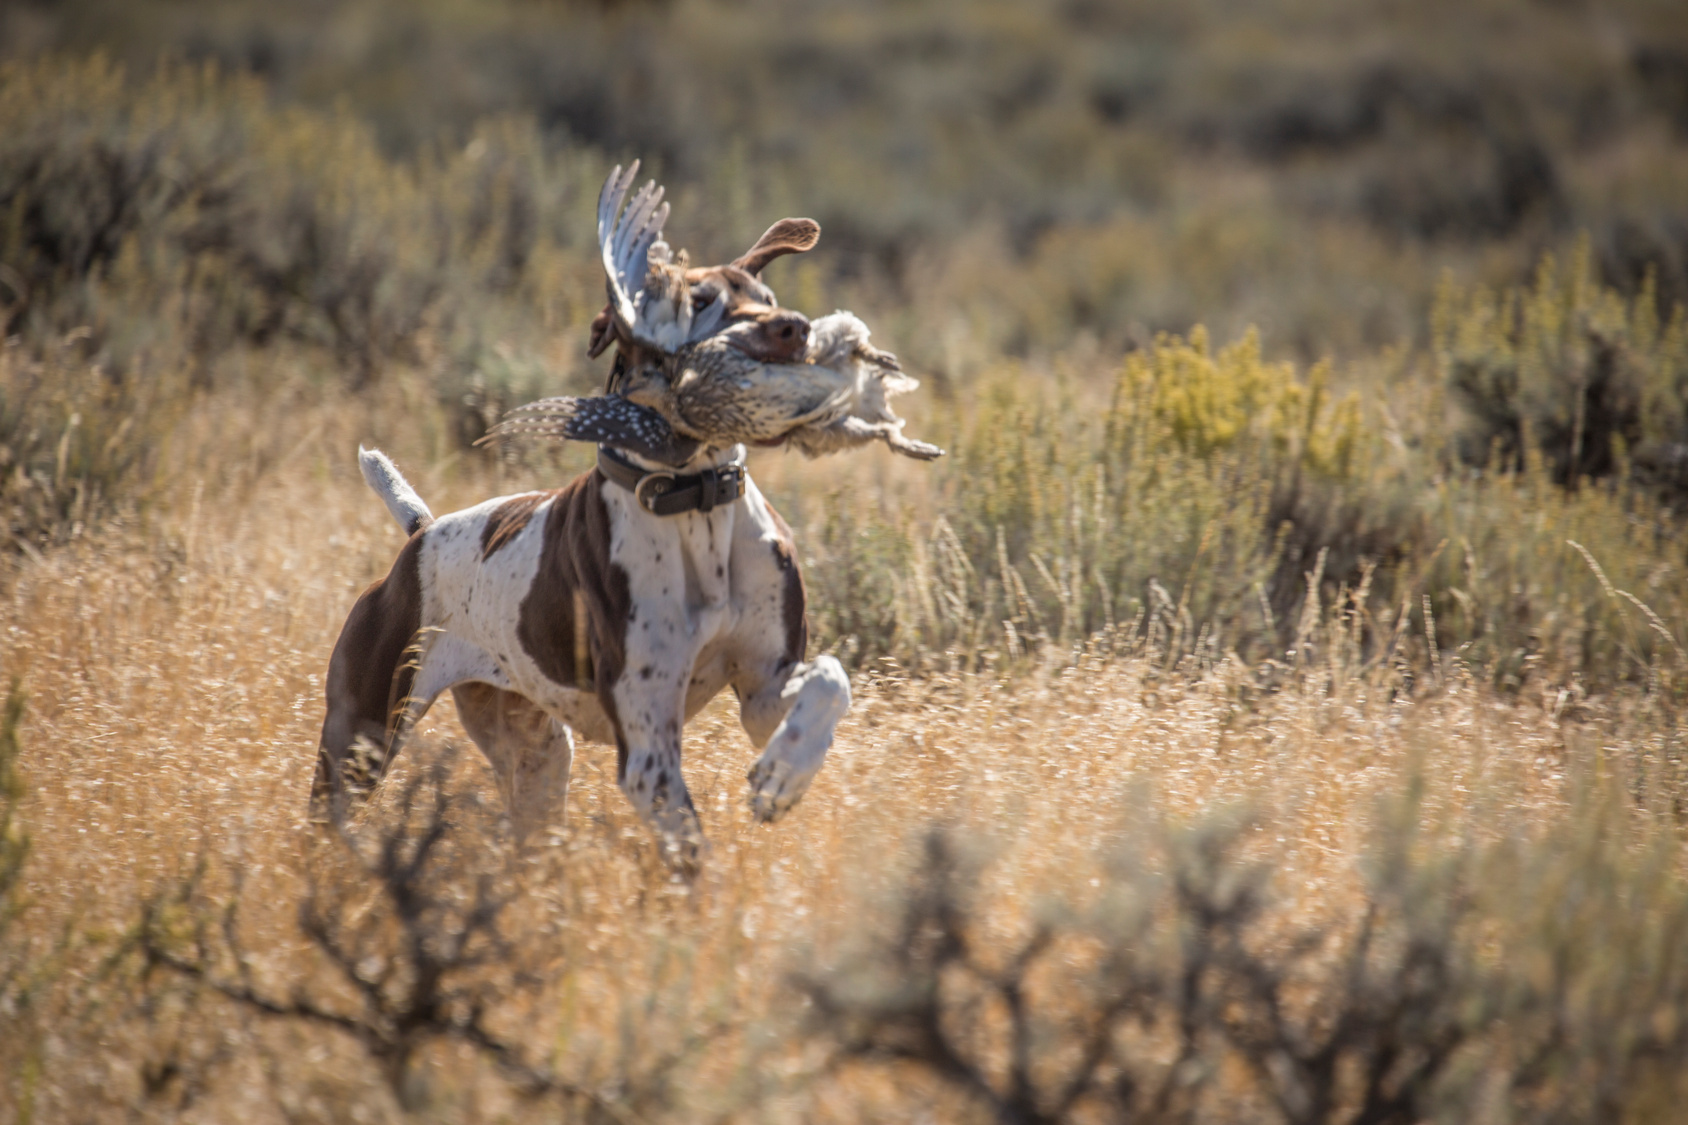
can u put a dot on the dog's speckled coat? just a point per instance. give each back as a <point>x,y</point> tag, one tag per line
<point>576,611</point>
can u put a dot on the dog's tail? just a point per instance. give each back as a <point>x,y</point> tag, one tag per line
<point>389,484</point>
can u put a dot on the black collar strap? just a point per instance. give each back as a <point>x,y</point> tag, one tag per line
<point>663,493</point>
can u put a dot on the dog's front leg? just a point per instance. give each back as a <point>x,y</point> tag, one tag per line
<point>807,706</point>
<point>649,773</point>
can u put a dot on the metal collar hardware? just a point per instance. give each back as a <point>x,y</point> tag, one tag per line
<point>662,492</point>
<point>651,487</point>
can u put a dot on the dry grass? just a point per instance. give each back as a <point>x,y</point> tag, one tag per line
<point>173,663</point>
<point>1101,707</point>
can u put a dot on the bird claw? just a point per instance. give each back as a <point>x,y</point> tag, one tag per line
<point>910,447</point>
<point>880,358</point>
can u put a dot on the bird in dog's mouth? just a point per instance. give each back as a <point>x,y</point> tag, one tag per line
<point>707,356</point>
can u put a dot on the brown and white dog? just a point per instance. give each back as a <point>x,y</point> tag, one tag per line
<point>584,610</point>
<point>578,610</point>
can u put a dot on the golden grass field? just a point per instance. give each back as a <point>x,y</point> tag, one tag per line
<point>1271,710</point>
<point>173,667</point>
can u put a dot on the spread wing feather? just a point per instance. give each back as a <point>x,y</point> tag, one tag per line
<point>609,419</point>
<point>647,293</point>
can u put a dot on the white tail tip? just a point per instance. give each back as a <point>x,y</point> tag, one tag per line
<point>384,477</point>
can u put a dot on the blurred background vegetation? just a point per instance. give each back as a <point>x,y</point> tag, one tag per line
<point>1217,305</point>
<point>1315,382</point>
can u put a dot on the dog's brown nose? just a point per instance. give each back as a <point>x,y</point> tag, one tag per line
<point>790,330</point>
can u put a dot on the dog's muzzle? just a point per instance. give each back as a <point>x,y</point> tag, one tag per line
<point>664,493</point>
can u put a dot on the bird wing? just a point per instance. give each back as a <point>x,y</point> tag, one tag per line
<point>648,296</point>
<point>609,419</point>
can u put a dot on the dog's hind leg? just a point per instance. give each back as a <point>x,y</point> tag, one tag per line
<point>531,753</point>
<point>369,682</point>
<point>386,671</point>
<point>806,706</point>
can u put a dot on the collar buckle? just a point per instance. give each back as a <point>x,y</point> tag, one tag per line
<point>651,487</point>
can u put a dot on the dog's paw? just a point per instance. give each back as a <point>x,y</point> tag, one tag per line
<point>685,853</point>
<point>774,789</point>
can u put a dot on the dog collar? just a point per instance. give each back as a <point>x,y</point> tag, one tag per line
<point>662,493</point>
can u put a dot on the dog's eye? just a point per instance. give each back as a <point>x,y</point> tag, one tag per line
<point>704,293</point>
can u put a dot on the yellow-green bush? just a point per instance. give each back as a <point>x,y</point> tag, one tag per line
<point>1183,508</point>
<point>1219,502</point>
<point>1210,403</point>
<point>1595,381</point>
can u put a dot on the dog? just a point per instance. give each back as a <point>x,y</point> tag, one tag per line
<point>615,607</point>
<point>607,608</point>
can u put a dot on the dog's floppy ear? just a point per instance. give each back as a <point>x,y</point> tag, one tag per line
<point>788,236</point>
<point>609,419</point>
<point>603,333</point>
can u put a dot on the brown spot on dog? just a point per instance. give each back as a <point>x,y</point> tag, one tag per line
<point>508,519</point>
<point>793,602</point>
<point>372,669</point>
<point>741,289</point>
<point>575,578</point>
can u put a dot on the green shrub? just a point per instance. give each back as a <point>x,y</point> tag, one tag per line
<point>1198,495</point>
<point>1595,382</point>
<point>75,442</point>
<point>1125,167</point>
<point>1218,502</point>
<point>181,217</point>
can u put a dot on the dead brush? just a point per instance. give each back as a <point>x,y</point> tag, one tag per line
<point>1183,981</point>
<point>406,911</point>
<point>1181,992</point>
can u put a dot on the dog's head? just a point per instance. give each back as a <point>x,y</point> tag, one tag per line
<point>775,335</point>
<point>661,309</point>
